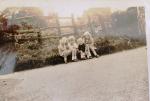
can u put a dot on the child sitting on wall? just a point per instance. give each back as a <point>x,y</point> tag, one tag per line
<point>63,48</point>
<point>89,45</point>
<point>73,47</point>
<point>81,48</point>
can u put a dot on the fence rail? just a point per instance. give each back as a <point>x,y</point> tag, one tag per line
<point>58,27</point>
<point>38,30</point>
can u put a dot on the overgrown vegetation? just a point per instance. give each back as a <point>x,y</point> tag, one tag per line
<point>35,55</point>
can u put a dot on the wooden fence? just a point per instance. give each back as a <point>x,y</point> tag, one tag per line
<point>22,34</point>
<point>58,26</point>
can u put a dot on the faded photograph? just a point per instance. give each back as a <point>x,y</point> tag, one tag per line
<point>77,50</point>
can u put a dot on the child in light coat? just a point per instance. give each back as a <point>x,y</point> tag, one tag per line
<point>73,47</point>
<point>63,48</point>
<point>89,44</point>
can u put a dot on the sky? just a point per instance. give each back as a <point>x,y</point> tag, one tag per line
<point>67,7</point>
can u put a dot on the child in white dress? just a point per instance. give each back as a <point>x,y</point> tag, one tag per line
<point>89,45</point>
<point>73,47</point>
<point>63,48</point>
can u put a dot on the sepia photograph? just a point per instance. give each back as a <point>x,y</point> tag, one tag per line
<point>73,50</point>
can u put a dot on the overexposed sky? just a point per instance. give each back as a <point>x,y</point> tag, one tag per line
<point>67,7</point>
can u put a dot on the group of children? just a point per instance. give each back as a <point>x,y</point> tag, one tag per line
<point>84,45</point>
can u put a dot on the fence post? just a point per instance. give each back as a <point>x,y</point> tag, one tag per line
<point>90,24</point>
<point>58,25</point>
<point>13,23</point>
<point>101,21</point>
<point>74,25</point>
<point>38,31</point>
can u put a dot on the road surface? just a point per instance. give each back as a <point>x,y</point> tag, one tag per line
<point>121,76</point>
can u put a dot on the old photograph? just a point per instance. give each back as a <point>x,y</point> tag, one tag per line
<point>73,50</point>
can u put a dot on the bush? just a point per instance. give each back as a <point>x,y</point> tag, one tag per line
<point>36,56</point>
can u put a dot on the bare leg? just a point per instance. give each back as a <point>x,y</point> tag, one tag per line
<point>74,56</point>
<point>82,54</point>
<point>93,50</point>
<point>65,59</point>
<point>66,53</point>
<point>87,51</point>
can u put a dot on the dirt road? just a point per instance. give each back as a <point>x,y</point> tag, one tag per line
<point>117,77</point>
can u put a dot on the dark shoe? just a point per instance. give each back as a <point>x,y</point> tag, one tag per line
<point>83,58</point>
<point>75,60</point>
<point>97,56</point>
<point>90,57</point>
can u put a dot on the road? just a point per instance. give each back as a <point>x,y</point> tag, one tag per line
<point>121,76</point>
<point>7,58</point>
